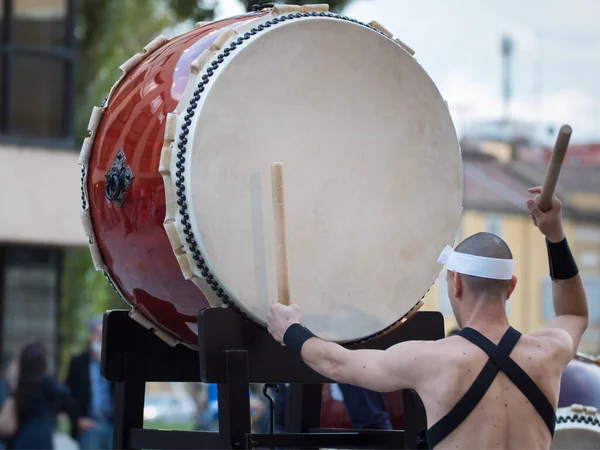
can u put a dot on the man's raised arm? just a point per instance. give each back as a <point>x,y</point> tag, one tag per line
<point>570,302</point>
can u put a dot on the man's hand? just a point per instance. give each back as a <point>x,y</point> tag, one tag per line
<point>281,317</point>
<point>549,222</point>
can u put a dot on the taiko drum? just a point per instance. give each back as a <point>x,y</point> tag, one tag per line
<point>176,174</point>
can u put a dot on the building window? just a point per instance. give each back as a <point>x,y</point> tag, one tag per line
<point>30,285</point>
<point>494,224</point>
<point>37,49</point>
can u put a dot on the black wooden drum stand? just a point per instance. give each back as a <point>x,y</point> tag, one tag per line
<point>233,352</point>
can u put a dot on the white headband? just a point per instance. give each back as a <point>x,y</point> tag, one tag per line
<point>477,266</point>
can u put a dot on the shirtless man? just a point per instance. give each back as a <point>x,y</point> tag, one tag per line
<point>498,411</point>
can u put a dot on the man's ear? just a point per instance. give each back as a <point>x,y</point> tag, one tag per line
<point>457,285</point>
<point>513,284</point>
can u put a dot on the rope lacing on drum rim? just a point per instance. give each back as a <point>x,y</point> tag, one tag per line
<point>576,418</point>
<point>83,202</point>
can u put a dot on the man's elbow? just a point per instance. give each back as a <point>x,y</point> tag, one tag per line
<point>336,367</point>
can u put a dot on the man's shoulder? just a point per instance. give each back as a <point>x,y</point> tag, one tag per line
<point>554,337</point>
<point>553,341</point>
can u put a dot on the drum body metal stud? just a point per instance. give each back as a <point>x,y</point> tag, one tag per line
<point>118,179</point>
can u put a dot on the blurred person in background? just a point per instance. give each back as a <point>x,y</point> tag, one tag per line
<point>30,409</point>
<point>8,385</point>
<point>94,395</point>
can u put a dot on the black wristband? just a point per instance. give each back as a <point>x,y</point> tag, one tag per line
<point>560,258</point>
<point>295,336</point>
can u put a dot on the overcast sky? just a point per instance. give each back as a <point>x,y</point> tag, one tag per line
<point>556,64</point>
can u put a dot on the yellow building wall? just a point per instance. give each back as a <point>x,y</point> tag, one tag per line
<point>525,307</point>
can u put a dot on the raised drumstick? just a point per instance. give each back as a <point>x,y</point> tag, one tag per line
<point>281,257</point>
<point>558,156</point>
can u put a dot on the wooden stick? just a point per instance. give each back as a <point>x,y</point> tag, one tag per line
<point>281,257</point>
<point>558,156</point>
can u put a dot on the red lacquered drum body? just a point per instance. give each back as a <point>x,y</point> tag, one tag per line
<point>131,238</point>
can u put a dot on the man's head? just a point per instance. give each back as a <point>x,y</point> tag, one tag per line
<point>463,289</point>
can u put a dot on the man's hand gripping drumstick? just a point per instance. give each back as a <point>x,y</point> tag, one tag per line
<point>545,210</point>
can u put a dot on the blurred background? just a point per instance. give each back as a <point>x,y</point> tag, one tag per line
<point>511,71</point>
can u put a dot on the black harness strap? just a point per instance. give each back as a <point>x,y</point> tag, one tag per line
<point>499,360</point>
<point>518,376</point>
<point>472,397</point>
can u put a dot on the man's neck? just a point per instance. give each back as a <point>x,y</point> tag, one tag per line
<point>486,315</point>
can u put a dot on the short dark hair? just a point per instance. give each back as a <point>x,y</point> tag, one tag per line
<point>491,246</point>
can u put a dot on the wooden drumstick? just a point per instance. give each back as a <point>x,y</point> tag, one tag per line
<point>558,156</point>
<point>281,256</point>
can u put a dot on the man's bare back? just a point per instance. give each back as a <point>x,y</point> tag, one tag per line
<point>504,417</point>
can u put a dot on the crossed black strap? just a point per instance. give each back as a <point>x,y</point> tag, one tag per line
<point>499,360</point>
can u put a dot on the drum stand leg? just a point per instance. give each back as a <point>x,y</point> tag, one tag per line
<point>129,410</point>
<point>234,401</point>
<point>303,408</point>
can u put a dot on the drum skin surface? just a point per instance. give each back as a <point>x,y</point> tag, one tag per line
<point>359,165</point>
<point>131,238</point>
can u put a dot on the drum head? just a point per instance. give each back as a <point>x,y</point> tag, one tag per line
<point>372,172</point>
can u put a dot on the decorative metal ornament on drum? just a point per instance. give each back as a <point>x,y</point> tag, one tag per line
<point>176,185</point>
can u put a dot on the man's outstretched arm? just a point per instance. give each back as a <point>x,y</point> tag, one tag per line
<point>378,370</point>
<point>570,301</point>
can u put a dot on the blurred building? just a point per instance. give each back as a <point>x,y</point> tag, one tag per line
<point>39,162</point>
<point>496,178</point>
